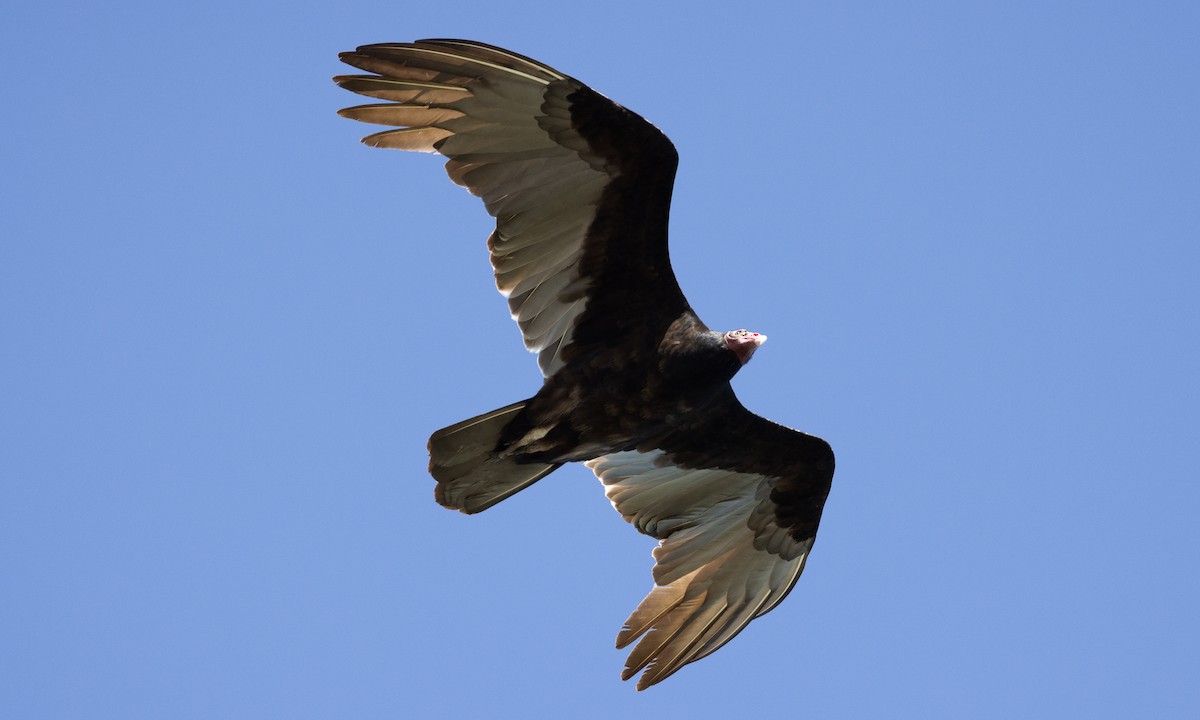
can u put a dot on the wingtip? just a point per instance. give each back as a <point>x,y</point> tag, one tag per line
<point>648,679</point>
<point>625,637</point>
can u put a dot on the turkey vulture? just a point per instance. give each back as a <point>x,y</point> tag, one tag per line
<point>636,386</point>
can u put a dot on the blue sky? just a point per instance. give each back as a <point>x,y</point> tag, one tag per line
<point>970,229</point>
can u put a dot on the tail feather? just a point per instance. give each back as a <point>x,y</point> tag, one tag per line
<point>471,476</point>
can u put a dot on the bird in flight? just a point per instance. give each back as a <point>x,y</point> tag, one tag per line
<point>635,385</point>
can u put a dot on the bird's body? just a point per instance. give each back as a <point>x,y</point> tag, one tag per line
<point>635,384</point>
<point>615,399</point>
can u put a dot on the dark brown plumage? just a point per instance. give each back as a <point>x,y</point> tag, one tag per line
<point>635,384</point>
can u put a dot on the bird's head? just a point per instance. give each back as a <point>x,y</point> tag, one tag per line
<point>743,343</point>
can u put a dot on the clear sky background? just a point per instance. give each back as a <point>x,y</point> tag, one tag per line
<point>971,230</point>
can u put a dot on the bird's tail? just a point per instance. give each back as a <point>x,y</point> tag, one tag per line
<point>471,475</point>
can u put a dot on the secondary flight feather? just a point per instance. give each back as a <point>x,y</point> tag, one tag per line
<point>635,385</point>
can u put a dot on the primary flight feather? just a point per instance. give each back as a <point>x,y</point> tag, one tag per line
<point>636,386</point>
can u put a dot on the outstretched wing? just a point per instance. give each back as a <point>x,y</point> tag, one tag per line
<point>580,187</point>
<point>735,501</point>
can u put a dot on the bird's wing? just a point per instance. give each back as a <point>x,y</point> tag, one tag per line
<point>735,501</point>
<point>580,187</point>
